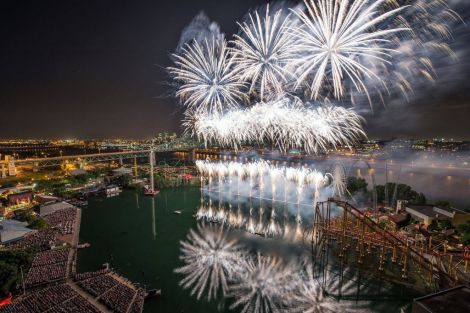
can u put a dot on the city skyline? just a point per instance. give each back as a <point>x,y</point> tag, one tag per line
<point>97,70</point>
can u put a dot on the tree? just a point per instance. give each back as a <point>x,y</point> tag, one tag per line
<point>464,230</point>
<point>38,223</point>
<point>356,184</point>
<point>10,267</point>
<point>404,192</point>
<point>8,276</point>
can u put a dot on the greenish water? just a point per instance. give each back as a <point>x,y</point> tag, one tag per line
<point>141,241</point>
<point>139,236</point>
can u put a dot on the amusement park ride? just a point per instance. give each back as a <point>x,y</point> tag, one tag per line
<point>357,239</point>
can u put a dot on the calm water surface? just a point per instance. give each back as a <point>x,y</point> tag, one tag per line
<point>139,237</point>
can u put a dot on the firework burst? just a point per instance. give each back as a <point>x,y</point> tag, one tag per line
<point>335,36</point>
<point>284,123</point>
<point>210,259</point>
<point>262,286</point>
<point>208,81</point>
<point>262,52</point>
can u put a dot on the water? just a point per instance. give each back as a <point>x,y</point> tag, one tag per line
<point>139,237</point>
<point>140,240</point>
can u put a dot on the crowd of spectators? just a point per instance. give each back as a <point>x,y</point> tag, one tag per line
<point>98,285</point>
<point>42,300</point>
<point>45,274</point>
<point>43,239</point>
<point>116,295</point>
<point>138,304</point>
<point>77,304</point>
<point>63,220</point>
<point>48,266</point>
<point>119,298</point>
<point>87,275</point>
<point>50,257</point>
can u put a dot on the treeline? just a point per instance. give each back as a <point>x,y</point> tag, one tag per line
<point>357,185</point>
<point>11,263</point>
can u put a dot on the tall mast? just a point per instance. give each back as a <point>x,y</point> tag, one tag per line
<point>152,159</point>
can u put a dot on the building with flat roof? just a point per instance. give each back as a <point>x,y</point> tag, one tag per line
<point>423,213</point>
<point>23,197</point>
<point>11,230</point>
<point>456,216</point>
<point>427,213</point>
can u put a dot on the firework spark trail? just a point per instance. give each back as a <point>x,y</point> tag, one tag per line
<point>418,56</point>
<point>262,52</point>
<point>210,260</point>
<point>208,81</point>
<point>262,286</point>
<point>332,36</point>
<point>259,171</point>
<point>285,123</point>
<point>339,180</point>
<point>309,297</point>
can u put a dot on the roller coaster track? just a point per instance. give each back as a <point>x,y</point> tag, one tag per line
<point>341,227</point>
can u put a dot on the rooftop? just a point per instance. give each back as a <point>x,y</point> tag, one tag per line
<point>11,230</point>
<point>427,210</point>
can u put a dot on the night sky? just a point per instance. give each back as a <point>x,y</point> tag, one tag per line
<point>95,69</point>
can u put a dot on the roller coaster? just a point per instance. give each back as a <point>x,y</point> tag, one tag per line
<point>356,239</point>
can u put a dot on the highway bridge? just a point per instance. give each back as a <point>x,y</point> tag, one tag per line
<point>36,163</point>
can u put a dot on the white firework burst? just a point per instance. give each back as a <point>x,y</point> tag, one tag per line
<point>210,260</point>
<point>309,297</point>
<point>262,52</point>
<point>335,40</point>
<point>207,78</point>
<point>284,123</point>
<point>262,286</point>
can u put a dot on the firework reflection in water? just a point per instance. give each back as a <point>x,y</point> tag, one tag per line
<point>255,282</point>
<point>210,260</point>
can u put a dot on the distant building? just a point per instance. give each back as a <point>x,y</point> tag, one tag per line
<point>427,213</point>
<point>11,230</point>
<point>3,171</point>
<point>456,216</point>
<point>401,205</point>
<point>11,165</point>
<point>423,213</point>
<point>24,197</point>
<point>399,220</point>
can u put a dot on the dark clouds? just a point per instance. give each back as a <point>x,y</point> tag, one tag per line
<point>94,68</point>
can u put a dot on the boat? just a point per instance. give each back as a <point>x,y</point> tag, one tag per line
<point>153,293</point>
<point>83,245</point>
<point>150,192</point>
<point>177,212</point>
